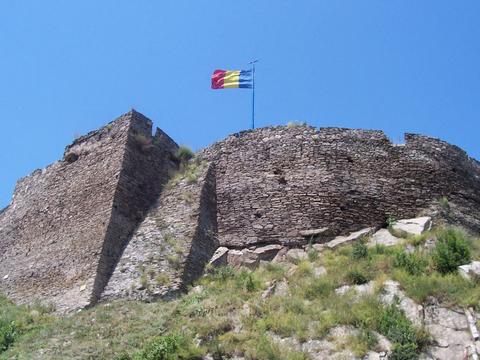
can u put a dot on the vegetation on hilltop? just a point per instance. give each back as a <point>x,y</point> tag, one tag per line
<point>236,312</point>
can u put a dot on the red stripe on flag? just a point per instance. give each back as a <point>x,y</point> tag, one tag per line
<point>217,79</point>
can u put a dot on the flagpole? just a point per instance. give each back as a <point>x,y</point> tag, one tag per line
<point>253,92</point>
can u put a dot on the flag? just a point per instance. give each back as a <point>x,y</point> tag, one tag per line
<point>232,79</point>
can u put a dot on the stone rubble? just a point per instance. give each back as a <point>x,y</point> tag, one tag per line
<point>246,258</point>
<point>360,290</point>
<point>268,252</point>
<point>385,238</point>
<point>470,271</point>
<point>415,226</point>
<point>220,257</point>
<point>355,236</point>
<point>296,255</point>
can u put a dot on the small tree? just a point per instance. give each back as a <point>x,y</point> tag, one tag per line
<point>452,250</point>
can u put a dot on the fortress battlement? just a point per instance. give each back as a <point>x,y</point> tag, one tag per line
<point>88,226</point>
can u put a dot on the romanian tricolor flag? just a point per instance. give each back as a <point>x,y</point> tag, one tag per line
<point>232,79</point>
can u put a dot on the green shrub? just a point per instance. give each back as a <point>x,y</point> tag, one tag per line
<point>443,202</point>
<point>246,281</point>
<point>313,255</point>
<point>263,348</point>
<point>287,323</point>
<point>452,250</point>
<point>450,289</point>
<point>360,250</point>
<point>292,124</point>
<point>393,323</point>
<point>7,335</point>
<point>191,305</point>
<point>319,288</point>
<point>391,220</point>
<point>362,342</point>
<point>174,260</point>
<point>191,177</point>
<point>162,279</point>
<point>295,305</point>
<point>169,347</point>
<point>123,356</point>
<point>275,269</point>
<point>144,281</point>
<point>404,352</point>
<point>223,273</point>
<point>413,263</point>
<point>304,268</point>
<point>356,277</point>
<point>379,249</point>
<point>184,154</point>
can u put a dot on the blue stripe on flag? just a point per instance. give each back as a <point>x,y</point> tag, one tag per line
<point>245,79</point>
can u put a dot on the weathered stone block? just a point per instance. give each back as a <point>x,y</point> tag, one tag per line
<point>383,237</point>
<point>414,226</point>
<point>342,179</point>
<point>219,257</point>
<point>296,255</point>
<point>470,271</point>
<point>245,258</point>
<point>268,252</point>
<point>355,236</point>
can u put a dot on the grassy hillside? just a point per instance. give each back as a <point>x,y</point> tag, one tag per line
<point>260,314</point>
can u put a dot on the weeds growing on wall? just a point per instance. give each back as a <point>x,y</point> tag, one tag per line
<point>184,154</point>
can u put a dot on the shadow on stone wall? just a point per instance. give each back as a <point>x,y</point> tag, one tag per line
<point>204,242</point>
<point>147,166</point>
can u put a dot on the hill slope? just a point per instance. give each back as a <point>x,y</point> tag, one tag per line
<point>360,300</point>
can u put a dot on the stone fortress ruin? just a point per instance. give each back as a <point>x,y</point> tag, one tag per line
<point>121,217</point>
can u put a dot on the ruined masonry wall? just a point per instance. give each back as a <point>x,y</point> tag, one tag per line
<point>171,246</point>
<point>57,235</point>
<point>274,182</point>
<point>109,220</point>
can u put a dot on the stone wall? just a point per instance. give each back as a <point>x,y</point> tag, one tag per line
<point>119,216</point>
<point>66,224</point>
<point>174,242</point>
<point>273,183</point>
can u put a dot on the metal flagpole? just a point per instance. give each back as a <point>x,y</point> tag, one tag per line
<point>253,92</point>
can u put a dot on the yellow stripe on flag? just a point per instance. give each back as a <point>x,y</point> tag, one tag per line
<point>231,79</point>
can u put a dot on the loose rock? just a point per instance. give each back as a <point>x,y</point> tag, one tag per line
<point>414,226</point>
<point>384,237</point>
<point>268,252</point>
<point>296,255</point>
<point>470,271</point>
<point>220,257</point>
<point>342,240</point>
<point>246,258</point>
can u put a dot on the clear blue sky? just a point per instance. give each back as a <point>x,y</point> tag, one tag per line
<point>68,67</point>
